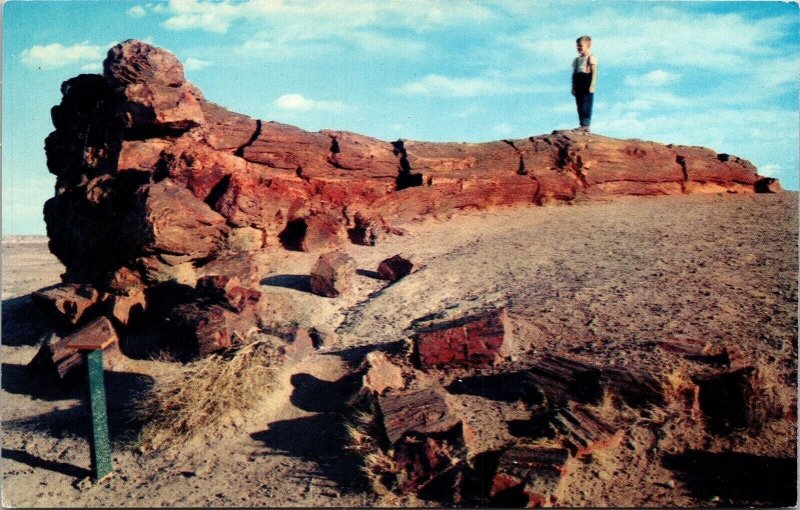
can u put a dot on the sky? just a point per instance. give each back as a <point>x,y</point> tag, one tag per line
<point>723,75</point>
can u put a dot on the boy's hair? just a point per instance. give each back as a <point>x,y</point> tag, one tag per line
<point>583,38</point>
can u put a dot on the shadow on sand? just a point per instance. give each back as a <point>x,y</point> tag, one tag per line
<point>50,465</point>
<point>301,282</point>
<point>23,322</point>
<point>321,438</point>
<point>738,479</point>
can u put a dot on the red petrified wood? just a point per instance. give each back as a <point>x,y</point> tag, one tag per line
<point>470,341</point>
<point>527,476</point>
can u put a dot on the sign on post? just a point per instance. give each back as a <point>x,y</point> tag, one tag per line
<point>90,341</point>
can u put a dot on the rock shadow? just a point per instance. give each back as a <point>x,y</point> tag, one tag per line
<point>321,439</point>
<point>738,479</point>
<point>369,274</point>
<point>354,356</point>
<point>506,387</point>
<point>122,391</point>
<point>51,465</point>
<point>23,322</point>
<point>319,396</point>
<point>301,282</point>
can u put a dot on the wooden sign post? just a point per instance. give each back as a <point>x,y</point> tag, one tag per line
<point>90,341</point>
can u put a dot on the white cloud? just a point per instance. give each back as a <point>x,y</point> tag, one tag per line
<point>137,11</point>
<point>195,64</point>
<point>299,103</point>
<point>769,170</point>
<point>438,85</point>
<point>325,16</point>
<point>503,129</point>
<point>52,56</point>
<point>661,36</point>
<point>656,78</point>
<point>92,67</point>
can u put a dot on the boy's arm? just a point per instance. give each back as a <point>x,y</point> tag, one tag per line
<point>593,67</point>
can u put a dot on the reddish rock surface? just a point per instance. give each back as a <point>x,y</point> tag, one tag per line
<point>527,476</point>
<point>470,341</point>
<point>332,274</point>
<point>154,183</point>
<point>382,374</point>
<point>67,302</point>
<point>395,267</point>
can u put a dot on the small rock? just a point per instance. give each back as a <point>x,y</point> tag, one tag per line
<point>333,274</point>
<point>395,268</point>
<point>382,373</point>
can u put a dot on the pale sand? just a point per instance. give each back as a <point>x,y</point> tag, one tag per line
<point>596,279</point>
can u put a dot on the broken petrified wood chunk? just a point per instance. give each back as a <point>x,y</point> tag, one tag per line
<point>205,324</point>
<point>395,267</point>
<point>428,442</point>
<point>301,346</point>
<point>382,373</point>
<point>767,185</point>
<point>474,341</point>
<point>67,302</point>
<point>583,432</point>
<point>125,306</point>
<point>527,476</point>
<point>227,291</point>
<point>697,350</point>
<point>332,274</point>
<point>57,358</point>
<point>420,411</point>
<point>635,387</point>
<point>724,398</point>
<point>562,379</point>
<point>365,231</point>
<point>431,459</point>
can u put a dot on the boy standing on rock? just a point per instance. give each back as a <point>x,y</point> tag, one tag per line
<point>584,76</point>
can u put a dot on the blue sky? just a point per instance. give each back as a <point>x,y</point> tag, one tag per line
<point>717,74</point>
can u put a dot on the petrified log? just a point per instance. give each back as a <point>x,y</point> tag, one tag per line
<point>332,274</point>
<point>697,350</point>
<point>582,432</point>
<point>469,341</point>
<point>67,302</point>
<point>421,411</point>
<point>154,180</point>
<point>395,268</point>
<point>635,387</point>
<point>563,379</point>
<point>219,311</point>
<point>427,441</point>
<point>54,357</point>
<point>527,476</point>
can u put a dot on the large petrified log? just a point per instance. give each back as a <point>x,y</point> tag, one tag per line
<point>156,183</point>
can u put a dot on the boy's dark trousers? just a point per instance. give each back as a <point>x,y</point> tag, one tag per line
<point>583,98</point>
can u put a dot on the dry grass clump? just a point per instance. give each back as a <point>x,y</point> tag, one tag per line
<point>206,394</point>
<point>771,398</point>
<point>379,467</point>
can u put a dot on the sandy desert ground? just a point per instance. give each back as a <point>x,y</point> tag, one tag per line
<point>603,280</point>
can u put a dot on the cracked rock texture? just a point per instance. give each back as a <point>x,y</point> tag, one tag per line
<point>154,183</point>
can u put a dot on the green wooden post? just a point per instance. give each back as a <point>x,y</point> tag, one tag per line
<point>98,441</point>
